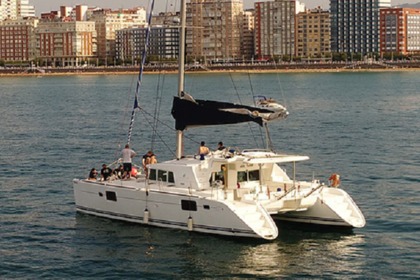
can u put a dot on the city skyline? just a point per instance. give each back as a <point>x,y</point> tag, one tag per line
<point>51,5</point>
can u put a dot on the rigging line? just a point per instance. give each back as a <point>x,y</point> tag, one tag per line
<point>240,102</point>
<point>166,125</point>
<point>159,94</point>
<point>280,85</point>
<point>143,61</point>
<point>124,116</point>
<point>253,98</point>
<point>146,115</point>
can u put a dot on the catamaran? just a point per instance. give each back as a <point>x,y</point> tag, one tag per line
<point>230,192</point>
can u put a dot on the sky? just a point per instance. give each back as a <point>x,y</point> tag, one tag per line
<point>161,5</point>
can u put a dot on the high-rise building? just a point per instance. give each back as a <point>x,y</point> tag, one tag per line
<point>247,35</point>
<point>24,9</point>
<point>107,22</point>
<point>65,43</point>
<point>13,9</point>
<point>275,28</point>
<point>17,39</point>
<point>400,31</point>
<point>355,25</point>
<point>215,33</point>
<point>163,43</point>
<point>313,34</point>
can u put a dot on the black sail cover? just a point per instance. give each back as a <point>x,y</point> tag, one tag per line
<point>190,112</point>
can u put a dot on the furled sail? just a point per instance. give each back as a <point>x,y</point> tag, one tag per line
<point>189,112</point>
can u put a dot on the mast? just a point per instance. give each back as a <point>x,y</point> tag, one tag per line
<point>181,71</point>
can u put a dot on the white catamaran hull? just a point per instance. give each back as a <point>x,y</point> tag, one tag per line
<point>333,207</point>
<point>128,201</point>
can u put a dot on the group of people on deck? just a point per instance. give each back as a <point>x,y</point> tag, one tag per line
<point>126,170</point>
<point>203,150</point>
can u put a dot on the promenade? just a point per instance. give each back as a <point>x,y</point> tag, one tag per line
<point>228,67</point>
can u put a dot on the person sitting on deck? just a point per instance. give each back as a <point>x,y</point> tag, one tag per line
<point>93,174</point>
<point>148,158</point>
<point>106,172</point>
<point>203,150</point>
<point>220,146</point>
<point>118,172</point>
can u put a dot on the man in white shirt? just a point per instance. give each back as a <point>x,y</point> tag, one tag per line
<point>127,155</point>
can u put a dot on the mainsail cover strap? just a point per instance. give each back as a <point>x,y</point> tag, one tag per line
<point>143,62</point>
<point>188,112</point>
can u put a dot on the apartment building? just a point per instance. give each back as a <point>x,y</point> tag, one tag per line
<point>215,29</point>
<point>65,43</point>
<point>24,9</point>
<point>14,9</point>
<point>163,43</point>
<point>400,31</point>
<point>355,25</point>
<point>247,35</point>
<point>107,22</point>
<point>275,28</point>
<point>313,34</point>
<point>17,39</point>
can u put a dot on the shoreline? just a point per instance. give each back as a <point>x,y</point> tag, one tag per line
<point>252,70</point>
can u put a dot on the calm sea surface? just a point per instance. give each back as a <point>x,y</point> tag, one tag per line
<point>365,126</point>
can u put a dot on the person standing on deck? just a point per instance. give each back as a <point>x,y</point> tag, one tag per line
<point>127,155</point>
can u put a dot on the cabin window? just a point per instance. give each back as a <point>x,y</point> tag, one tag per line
<point>188,205</point>
<point>111,196</point>
<point>254,175</point>
<point>171,178</point>
<point>162,175</point>
<point>242,176</point>
<point>152,174</point>
<point>217,176</point>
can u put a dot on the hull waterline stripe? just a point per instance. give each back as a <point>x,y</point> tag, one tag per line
<point>163,222</point>
<point>309,218</point>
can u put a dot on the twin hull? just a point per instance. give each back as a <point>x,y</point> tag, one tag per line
<point>129,201</point>
<point>173,210</point>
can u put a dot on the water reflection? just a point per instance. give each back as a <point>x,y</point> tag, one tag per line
<point>147,249</point>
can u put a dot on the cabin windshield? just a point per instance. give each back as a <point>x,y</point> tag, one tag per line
<point>162,175</point>
<point>247,176</point>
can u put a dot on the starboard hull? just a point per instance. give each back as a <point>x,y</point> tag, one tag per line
<point>333,207</point>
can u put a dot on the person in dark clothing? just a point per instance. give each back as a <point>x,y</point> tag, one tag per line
<point>220,146</point>
<point>92,174</point>
<point>106,172</point>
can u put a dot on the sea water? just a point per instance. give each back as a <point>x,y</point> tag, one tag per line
<point>364,126</point>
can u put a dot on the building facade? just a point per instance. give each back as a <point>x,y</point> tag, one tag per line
<point>313,34</point>
<point>163,43</point>
<point>14,9</point>
<point>17,40</point>
<point>107,22</point>
<point>24,9</point>
<point>215,33</point>
<point>65,43</point>
<point>275,28</point>
<point>355,25</point>
<point>400,31</point>
<point>247,35</point>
